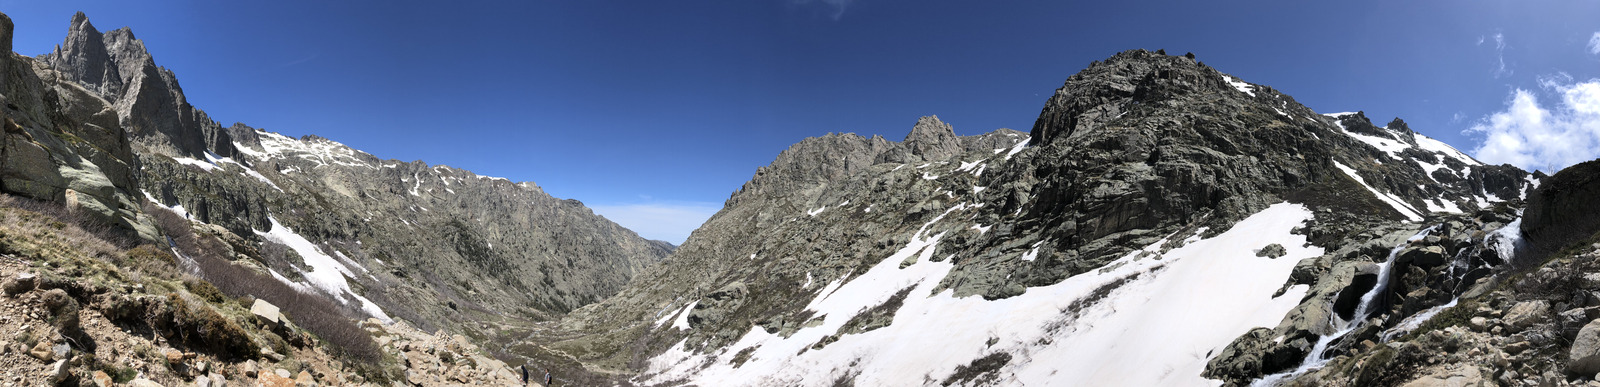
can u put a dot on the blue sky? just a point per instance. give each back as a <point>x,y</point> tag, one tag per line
<point>653,112</point>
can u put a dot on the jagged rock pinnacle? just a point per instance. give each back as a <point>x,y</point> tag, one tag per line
<point>933,139</point>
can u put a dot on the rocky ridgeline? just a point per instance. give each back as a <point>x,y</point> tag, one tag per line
<point>1136,149</point>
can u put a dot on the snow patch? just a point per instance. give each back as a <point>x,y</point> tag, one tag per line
<point>1241,86</point>
<point>1392,200</point>
<point>327,274</point>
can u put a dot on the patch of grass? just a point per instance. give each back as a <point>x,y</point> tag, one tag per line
<point>205,290</point>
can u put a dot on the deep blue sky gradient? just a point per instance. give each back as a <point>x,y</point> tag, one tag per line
<point>676,103</point>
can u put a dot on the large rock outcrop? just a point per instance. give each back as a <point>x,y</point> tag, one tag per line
<point>63,143</point>
<point>1563,210</point>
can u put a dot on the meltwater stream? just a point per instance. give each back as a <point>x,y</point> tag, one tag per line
<point>1314,359</point>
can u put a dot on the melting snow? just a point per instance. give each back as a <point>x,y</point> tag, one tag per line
<point>326,274</point>
<point>1032,254</point>
<point>202,164</point>
<point>1018,148</point>
<point>1392,200</point>
<point>1241,86</point>
<point>1159,326</point>
<point>683,316</point>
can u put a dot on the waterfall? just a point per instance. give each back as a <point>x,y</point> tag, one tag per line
<point>1314,360</point>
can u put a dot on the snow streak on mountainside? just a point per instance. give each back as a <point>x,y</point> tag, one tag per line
<point>1158,211</point>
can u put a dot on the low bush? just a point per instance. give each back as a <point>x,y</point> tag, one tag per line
<point>199,326</point>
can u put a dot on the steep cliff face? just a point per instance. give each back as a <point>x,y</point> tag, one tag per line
<point>1146,177</point>
<point>63,143</point>
<point>147,99</point>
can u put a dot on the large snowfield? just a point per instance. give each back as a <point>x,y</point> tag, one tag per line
<point>1165,316</point>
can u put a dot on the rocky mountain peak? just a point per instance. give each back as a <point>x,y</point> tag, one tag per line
<point>932,139</point>
<point>83,57</point>
<point>149,103</point>
<point>1110,88</point>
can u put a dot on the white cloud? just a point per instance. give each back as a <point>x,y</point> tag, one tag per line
<point>1532,136</point>
<point>1594,44</point>
<point>671,222</point>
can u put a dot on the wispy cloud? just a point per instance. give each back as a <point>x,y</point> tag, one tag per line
<point>671,222</point>
<point>1594,44</point>
<point>1500,69</point>
<point>836,6</point>
<point>1532,136</point>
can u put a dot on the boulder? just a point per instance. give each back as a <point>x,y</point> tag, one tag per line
<point>142,382</point>
<point>1425,256</point>
<point>266,313</point>
<point>269,379</point>
<point>102,379</point>
<point>21,283</point>
<point>1272,251</point>
<point>58,372</point>
<point>249,368</point>
<point>1584,356</point>
<point>1527,313</point>
<point>1257,353</point>
<point>1452,377</point>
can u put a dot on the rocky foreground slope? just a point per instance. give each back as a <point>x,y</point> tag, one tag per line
<point>1163,223</point>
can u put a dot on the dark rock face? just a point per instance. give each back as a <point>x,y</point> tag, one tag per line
<point>1564,209</point>
<point>148,101</point>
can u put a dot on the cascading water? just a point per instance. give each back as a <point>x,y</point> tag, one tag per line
<point>1314,359</point>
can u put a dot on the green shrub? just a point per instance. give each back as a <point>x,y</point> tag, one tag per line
<point>205,290</point>
<point>203,328</point>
